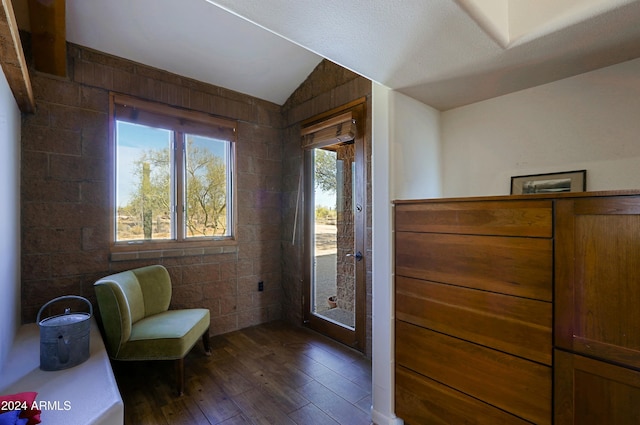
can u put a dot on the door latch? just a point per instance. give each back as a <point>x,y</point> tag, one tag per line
<point>357,255</point>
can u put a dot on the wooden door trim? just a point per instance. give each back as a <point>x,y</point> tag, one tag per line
<point>354,338</point>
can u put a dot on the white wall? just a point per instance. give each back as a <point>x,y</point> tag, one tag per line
<point>591,121</point>
<point>415,148</point>
<point>405,161</point>
<point>10,223</point>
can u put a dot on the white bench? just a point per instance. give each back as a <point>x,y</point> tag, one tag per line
<point>84,394</point>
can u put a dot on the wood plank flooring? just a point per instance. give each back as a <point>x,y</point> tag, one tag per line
<point>269,374</point>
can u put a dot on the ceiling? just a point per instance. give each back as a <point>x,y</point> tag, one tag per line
<point>444,53</point>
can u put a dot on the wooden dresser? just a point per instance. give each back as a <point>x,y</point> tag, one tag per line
<point>475,299</point>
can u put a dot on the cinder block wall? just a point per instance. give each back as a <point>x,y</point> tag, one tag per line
<point>65,193</point>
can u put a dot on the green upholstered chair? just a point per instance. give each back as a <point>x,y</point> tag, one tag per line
<point>137,322</point>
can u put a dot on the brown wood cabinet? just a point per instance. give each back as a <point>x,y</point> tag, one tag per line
<point>481,283</point>
<point>597,310</point>
<point>593,392</point>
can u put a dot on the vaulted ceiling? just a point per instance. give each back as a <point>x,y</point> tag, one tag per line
<point>444,53</point>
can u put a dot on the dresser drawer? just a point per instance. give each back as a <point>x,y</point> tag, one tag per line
<point>514,266</point>
<point>514,218</point>
<point>516,385</point>
<point>515,325</point>
<point>420,400</point>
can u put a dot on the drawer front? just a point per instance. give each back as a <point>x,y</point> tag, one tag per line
<point>514,266</point>
<point>420,400</point>
<point>518,326</point>
<point>516,218</point>
<point>510,383</point>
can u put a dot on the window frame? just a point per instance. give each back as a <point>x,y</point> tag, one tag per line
<point>170,113</point>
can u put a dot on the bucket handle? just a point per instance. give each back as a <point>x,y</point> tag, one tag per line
<point>63,298</point>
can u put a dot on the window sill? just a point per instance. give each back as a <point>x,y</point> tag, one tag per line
<point>129,252</point>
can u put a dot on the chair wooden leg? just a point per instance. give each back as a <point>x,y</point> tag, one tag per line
<point>180,376</point>
<point>205,342</point>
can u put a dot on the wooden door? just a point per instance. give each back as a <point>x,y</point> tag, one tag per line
<point>597,278</point>
<point>335,260</point>
<point>592,392</point>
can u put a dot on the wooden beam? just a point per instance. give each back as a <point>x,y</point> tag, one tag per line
<point>48,36</point>
<point>12,59</point>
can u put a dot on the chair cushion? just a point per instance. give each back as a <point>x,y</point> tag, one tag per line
<point>128,283</point>
<point>165,336</point>
<point>155,284</point>
<point>120,304</point>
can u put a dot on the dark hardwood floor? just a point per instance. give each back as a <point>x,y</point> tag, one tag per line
<point>269,374</point>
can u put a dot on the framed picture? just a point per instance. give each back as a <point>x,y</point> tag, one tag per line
<point>568,181</point>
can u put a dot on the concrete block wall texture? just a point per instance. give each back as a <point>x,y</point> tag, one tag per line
<point>65,189</point>
<point>346,282</point>
<point>66,167</point>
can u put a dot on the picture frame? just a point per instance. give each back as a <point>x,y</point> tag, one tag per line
<point>566,181</point>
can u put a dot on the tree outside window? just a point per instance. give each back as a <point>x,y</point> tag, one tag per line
<point>173,178</point>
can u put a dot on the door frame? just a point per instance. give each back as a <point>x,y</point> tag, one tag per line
<point>353,338</point>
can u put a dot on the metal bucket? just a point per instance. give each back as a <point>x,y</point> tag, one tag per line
<point>64,339</point>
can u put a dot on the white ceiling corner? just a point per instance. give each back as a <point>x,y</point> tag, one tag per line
<point>437,52</point>
<point>444,53</point>
<point>195,39</point>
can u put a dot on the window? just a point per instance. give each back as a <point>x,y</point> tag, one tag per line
<point>173,175</point>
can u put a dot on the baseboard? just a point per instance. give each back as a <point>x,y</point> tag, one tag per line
<point>382,419</point>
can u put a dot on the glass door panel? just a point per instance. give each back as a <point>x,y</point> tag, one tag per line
<point>333,274</point>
